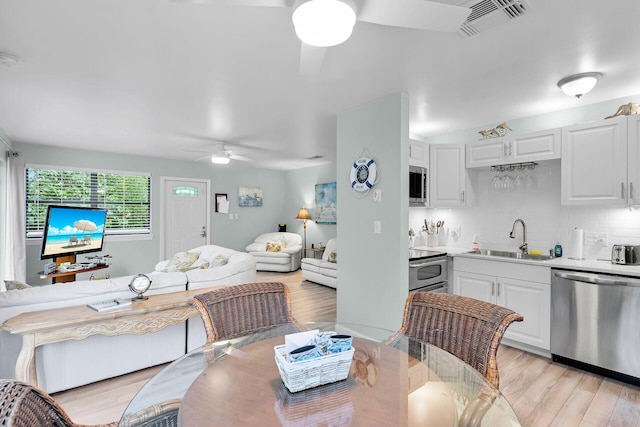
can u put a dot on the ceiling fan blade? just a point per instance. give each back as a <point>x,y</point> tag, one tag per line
<point>241,158</point>
<point>311,59</point>
<point>262,3</point>
<point>418,14</point>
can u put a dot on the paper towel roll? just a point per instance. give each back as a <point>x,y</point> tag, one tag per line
<point>577,242</point>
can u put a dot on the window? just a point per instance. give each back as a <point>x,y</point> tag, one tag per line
<point>127,197</point>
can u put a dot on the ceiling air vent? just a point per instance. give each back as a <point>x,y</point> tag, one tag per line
<point>486,14</point>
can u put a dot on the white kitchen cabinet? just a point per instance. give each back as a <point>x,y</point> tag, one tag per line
<point>633,159</point>
<point>530,147</point>
<point>418,153</point>
<point>447,174</point>
<point>594,163</point>
<point>523,288</point>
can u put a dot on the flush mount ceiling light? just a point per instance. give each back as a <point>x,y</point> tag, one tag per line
<point>220,159</point>
<point>324,23</point>
<point>579,84</point>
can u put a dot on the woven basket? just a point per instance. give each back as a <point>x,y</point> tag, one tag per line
<point>313,372</point>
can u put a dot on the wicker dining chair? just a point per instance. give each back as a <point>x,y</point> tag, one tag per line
<point>239,310</point>
<point>23,405</point>
<point>468,328</point>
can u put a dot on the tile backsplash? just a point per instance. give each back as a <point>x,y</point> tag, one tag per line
<point>490,214</point>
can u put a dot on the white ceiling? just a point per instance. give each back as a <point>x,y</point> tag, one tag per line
<point>158,77</point>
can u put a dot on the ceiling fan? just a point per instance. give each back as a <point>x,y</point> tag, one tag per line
<point>220,155</point>
<point>324,23</point>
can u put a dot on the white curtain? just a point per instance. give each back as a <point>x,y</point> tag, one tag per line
<point>15,267</point>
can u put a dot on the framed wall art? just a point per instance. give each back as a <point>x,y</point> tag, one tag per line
<point>222,203</point>
<point>325,203</point>
<point>250,196</point>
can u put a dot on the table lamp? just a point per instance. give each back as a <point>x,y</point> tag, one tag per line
<point>303,214</point>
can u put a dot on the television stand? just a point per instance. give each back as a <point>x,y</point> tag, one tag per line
<point>68,275</point>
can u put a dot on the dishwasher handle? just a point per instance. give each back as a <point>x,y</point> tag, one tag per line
<point>598,279</point>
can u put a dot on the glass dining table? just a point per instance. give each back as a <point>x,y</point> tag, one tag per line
<point>393,380</point>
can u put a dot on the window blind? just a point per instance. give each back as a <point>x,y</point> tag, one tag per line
<point>126,196</point>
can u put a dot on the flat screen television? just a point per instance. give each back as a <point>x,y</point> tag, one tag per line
<point>70,230</point>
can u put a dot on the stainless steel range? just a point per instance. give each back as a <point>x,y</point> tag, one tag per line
<point>428,271</point>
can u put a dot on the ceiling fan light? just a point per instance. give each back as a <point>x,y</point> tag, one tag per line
<point>324,23</point>
<point>579,84</point>
<point>220,159</point>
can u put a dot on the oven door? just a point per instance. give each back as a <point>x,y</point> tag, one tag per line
<point>439,288</point>
<point>427,272</point>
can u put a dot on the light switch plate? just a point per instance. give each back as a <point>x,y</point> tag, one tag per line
<point>377,227</point>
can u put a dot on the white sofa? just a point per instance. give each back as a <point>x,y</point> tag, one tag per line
<point>322,270</point>
<point>284,259</point>
<point>239,267</point>
<point>68,364</point>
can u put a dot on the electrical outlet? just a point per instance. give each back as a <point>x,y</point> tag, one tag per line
<point>595,239</point>
<point>454,232</point>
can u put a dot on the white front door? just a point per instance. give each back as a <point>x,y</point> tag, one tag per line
<point>185,215</point>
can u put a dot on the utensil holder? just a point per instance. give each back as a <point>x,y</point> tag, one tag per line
<point>432,240</point>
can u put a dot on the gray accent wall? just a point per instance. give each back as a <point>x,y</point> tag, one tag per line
<point>140,256</point>
<point>300,192</point>
<point>374,269</point>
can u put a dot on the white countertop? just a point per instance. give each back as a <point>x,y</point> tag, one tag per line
<point>590,265</point>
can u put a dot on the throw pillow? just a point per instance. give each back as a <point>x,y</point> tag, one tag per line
<point>15,285</point>
<point>199,265</point>
<point>181,261</point>
<point>275,247</point>
<point>333,257</point>
<point>219,261</point>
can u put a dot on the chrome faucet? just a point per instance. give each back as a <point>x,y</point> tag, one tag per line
<point>523,246</point>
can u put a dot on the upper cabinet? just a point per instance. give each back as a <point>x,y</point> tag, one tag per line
<point>418,153</point>
<point>594,162</point>
<point>530,147</point>
<point>447,174</point>
<point>633,162</point>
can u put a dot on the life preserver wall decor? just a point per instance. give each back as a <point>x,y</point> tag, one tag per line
<point>363,174</point>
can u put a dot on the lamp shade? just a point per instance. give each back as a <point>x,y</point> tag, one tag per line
<point>323,23</point>
<point>579,84</point>
<point>303,213</point>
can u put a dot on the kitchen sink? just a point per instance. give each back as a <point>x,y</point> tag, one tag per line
<point>507,254</point>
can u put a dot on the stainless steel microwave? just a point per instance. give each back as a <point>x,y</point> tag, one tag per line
<point>417,186</point>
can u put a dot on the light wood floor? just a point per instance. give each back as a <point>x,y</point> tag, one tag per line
<point>541,392</point>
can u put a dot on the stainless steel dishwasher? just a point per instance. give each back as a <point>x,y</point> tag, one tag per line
<point>595,323</point>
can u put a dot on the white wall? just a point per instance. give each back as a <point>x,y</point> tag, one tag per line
<point>140,256</point>
<point>492,213</point>
<point>374,270</point>
<point>547,221</point>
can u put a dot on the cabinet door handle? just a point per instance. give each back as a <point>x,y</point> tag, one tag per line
<point>462,196</point>
<point>622,190</point>
<point>493,288</point>
<point>630,190</point>
<point>510,149</point>
<point>498,293</point>
<point>504,150</point>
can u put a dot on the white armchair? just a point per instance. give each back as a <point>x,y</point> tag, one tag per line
<point>278,251</point>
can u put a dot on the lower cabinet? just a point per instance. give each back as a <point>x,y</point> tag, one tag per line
<point>523,288</point>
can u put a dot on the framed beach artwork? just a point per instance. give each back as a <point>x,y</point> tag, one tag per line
<point>250,196</point>
<point>325,208</point>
